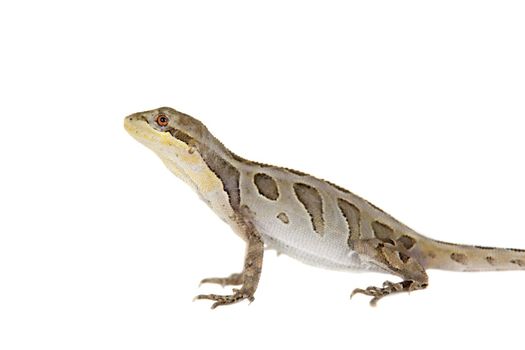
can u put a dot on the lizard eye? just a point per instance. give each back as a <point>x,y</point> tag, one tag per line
<point>162,120</point>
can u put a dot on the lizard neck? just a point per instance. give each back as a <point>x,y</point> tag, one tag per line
<point>212,171</point>
<point>221,164</point>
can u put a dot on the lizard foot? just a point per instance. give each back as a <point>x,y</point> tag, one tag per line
<point>389,288</point>
<point>235,279</point>
<point>238,295</point>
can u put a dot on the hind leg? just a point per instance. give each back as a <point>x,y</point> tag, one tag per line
<point>388,288</point>
<point>393,259</point>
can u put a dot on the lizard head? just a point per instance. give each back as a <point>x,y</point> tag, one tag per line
<point>174,136</point>
<point>165,129</point>
<point>192,153</point>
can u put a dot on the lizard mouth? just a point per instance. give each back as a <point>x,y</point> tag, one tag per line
<point>138,127</point>
<point>131,121</point>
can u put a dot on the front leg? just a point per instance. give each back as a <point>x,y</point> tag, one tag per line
<point>248,278</point>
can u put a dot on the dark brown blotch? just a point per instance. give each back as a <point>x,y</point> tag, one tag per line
<point>404,257</point>
<point>352,216</point>
<point>490,260</point>
<point>313,203</point>
<point>383,232</point>
<point>283,217</point>
<point>266,186</point>
<point>459,258</point>
<point>407,241</point>
<point>518,262</point>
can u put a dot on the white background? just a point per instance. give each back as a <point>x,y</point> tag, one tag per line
<point>417,106</point>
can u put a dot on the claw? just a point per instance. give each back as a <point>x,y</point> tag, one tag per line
<point>220,281</point>
<point>234,279</point>
<point>357,291</point>
<point>374,301</point>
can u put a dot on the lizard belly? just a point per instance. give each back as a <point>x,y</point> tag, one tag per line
<point>287,227</point>
<point>297,240</point>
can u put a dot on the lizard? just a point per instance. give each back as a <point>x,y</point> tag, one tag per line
<point>302,216</point>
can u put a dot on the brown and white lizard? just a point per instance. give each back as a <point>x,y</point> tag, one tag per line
<point>302,216</point>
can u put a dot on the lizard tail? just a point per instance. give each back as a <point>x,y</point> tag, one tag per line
<point>456,257</point>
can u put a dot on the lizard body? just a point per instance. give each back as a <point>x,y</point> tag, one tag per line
<point>294,213</point>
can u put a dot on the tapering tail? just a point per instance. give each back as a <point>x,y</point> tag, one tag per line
<point>457,257</point>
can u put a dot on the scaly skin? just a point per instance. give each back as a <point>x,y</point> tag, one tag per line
<point>297,214</point>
